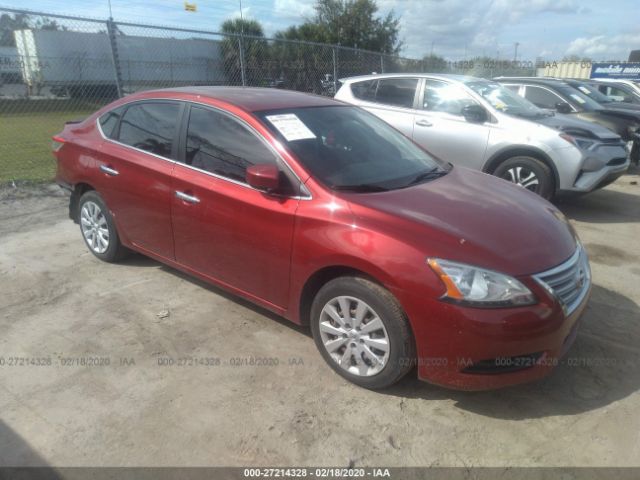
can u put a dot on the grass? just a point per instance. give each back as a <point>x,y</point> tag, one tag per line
<point>25,137</point>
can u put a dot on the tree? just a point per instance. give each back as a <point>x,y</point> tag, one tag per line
<point>350,23</point>
<point>250,34</point>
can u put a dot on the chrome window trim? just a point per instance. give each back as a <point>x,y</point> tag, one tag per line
<point>308,195</point>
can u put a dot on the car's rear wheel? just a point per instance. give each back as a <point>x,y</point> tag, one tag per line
<point>529,173</point>
<point>98,228</point>
<point>362,332</point>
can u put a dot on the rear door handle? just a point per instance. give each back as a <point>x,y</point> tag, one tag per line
<point>109,170</point>
<point>424,123</point>
<point>187,198</point>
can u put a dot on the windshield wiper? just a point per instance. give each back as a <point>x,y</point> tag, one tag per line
<point>361,187</point>
<point>428,175</point>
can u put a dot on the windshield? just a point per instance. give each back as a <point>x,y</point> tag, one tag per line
<point>504,100</point>
<point>591,92</point>
<point>579,99</point>
<point>347,148</point>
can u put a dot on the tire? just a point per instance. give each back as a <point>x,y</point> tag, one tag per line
<point>529,173</point>
<point>98,228</point>
<point>367,300</point>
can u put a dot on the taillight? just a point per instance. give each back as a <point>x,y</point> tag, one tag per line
<point>57,142</point>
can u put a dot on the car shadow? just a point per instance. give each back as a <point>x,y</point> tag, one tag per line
<point>600,368</point>
<point>602,206</point>
<point>19,460</point>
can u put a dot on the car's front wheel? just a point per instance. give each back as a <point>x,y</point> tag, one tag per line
<point>362,332</point>
<point>529,173</point>
<point>98,228</point>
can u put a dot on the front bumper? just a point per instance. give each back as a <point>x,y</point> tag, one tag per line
<point>599,167</point>
<point>479,349</point>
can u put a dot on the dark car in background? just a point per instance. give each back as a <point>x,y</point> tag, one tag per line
<point>558,95</point>
<point>617,91</point>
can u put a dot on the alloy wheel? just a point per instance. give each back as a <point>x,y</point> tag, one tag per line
<point>94,227</point>
<point>354,336</point>
<point>524,177</point>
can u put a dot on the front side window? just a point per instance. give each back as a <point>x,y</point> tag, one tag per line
<point>109,122</point>
<point>150,127</point>
<point>542,97</point>
<point>445,97</point>
<point>347,148</point>
<point>221,145</point>
<point>505,100</point>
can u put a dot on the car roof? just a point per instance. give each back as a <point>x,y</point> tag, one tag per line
<point>251,99</point>
<point>551,81</point>
<point>444,76</point>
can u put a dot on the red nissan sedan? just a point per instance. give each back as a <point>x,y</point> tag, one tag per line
<point>326,215</point>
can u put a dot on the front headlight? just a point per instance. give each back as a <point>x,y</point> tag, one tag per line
<point>477,287</point>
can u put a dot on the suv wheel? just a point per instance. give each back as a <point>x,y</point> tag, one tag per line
<point>98,228</point>
<point>529,173</point>
<point>362,332</point>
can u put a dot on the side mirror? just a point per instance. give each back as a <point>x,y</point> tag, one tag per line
<point>265,177</point>
<point>475,114</point>
<point>563,107</point>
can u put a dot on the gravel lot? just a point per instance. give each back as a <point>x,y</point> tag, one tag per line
<point>60,304</point>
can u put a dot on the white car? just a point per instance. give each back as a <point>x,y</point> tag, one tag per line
<point>480,124</point>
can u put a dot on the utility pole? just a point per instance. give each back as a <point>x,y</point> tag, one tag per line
<point>242,73</point>
<point>515,53</point>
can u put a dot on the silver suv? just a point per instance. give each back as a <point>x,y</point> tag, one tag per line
<point>480,124</point>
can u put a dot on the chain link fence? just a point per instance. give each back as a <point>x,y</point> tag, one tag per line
<point>55,68</point>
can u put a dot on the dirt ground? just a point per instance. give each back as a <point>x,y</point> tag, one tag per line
<point>86,379</point>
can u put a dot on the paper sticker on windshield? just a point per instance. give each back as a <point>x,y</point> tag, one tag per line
<point>578,98</point>
<point>584,90</point>
<point>291,127</point>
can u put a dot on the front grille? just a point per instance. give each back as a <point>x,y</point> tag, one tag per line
<point>569,282</point>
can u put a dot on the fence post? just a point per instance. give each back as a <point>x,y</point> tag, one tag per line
<point>242,72</point>
<point>335,70</point>
<point>111,31</point>
<point>381,63</point>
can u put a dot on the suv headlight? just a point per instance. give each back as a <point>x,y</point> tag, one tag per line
<point>477,287</point>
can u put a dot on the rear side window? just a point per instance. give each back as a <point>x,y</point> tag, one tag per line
<point>219,144</point>
<point>541,98</point>
<point>365,90</point>
<point>398,92</point>
<point>109,122</point>
<point>150,127</point>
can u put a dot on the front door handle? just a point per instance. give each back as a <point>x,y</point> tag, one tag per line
<point>187,198</point>
<point>424,123</point>
<point>109,170</point>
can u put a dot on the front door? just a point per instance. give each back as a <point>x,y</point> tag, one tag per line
<point>224,229</point>
<point>441,128</point>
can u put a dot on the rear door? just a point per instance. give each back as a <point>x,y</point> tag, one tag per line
<point>441,129</point>
<point>391,99</point>
<point>223,228</point>
<point>136,162</point>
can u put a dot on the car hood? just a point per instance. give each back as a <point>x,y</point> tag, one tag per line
<point>471,217</point>
<point>577,127</point>
<point>621,113</point>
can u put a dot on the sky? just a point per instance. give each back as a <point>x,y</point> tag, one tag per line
<point>455,29</point>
